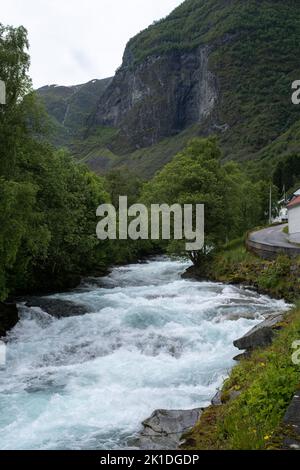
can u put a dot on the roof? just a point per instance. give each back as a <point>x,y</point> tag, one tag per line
<point>294,202</point>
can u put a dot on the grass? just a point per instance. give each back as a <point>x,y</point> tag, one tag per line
<point>279,278</point>
<point>266,382</point>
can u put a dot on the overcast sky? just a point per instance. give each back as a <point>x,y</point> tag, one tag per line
<point>73,41</point>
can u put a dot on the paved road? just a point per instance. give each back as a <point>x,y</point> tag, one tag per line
<point>272,236</point>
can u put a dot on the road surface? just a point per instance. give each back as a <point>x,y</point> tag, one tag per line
<point>272,241</point>
<point>273,236</point>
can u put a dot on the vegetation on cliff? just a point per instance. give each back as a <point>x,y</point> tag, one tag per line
<point>70,108</point>
<point>252,57</point>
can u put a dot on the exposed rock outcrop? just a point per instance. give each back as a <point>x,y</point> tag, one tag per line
<point>159,97</point>
<point>222,397</point>
<point>8,317</point>
<point>57,308</point>
<point>217,399</point>
<point>164,429</point>
<point>261,335</point>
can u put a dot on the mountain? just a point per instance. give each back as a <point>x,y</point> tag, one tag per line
<point>220,67</point>
<point>70,107</point>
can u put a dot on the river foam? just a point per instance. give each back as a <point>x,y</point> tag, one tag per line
<point>151,340</point>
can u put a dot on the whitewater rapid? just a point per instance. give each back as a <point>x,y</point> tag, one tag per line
<point>151,340</point>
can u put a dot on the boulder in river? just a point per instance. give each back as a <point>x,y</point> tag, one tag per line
<point>164,429</point>
<point>261,335</point>
<point>57,308</point>
<point>8,317</point>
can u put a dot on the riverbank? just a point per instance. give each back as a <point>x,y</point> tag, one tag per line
<point>248,412</point>
<point>279,278</point>
<point>252,403</point>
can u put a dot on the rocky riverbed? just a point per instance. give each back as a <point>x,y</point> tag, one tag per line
<point>85,368</point>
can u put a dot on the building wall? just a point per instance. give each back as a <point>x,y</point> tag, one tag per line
<point>294,220</point>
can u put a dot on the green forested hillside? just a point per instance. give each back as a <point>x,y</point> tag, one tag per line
<point>254,57</point>
<point>70,108</point>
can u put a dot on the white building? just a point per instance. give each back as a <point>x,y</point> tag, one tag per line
<point>294,219</point>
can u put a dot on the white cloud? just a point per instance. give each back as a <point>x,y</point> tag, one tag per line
<point>73,41</point>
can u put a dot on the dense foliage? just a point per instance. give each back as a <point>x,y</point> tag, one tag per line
<point>287,173</point>
<point>47,201</point>
<point>232,202</point>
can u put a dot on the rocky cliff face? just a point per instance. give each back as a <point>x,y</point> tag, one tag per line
<point>220,67</point>
<point>160,97</point>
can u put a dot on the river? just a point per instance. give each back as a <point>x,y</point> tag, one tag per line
<point>151,340</point>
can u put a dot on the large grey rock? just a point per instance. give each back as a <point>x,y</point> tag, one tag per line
<point>57,308</point>
<point>164,429</point>
<point>8,317</point>
<point>220,398</point>
<point>292,419</point>
<point>244,355</point>
<point>261,335</point>
<point>217,399</point>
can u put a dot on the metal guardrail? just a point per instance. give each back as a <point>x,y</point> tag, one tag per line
<point>271,251</point>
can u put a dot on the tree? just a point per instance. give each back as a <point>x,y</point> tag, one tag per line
<point>47,201</point>
<point>14,65</point>
<point>287,172</point>
<point>197,176</point>
<point>123,182</point>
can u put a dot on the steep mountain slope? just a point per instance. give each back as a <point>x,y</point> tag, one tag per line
<point>70,107</point>
<point>212,66</point>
